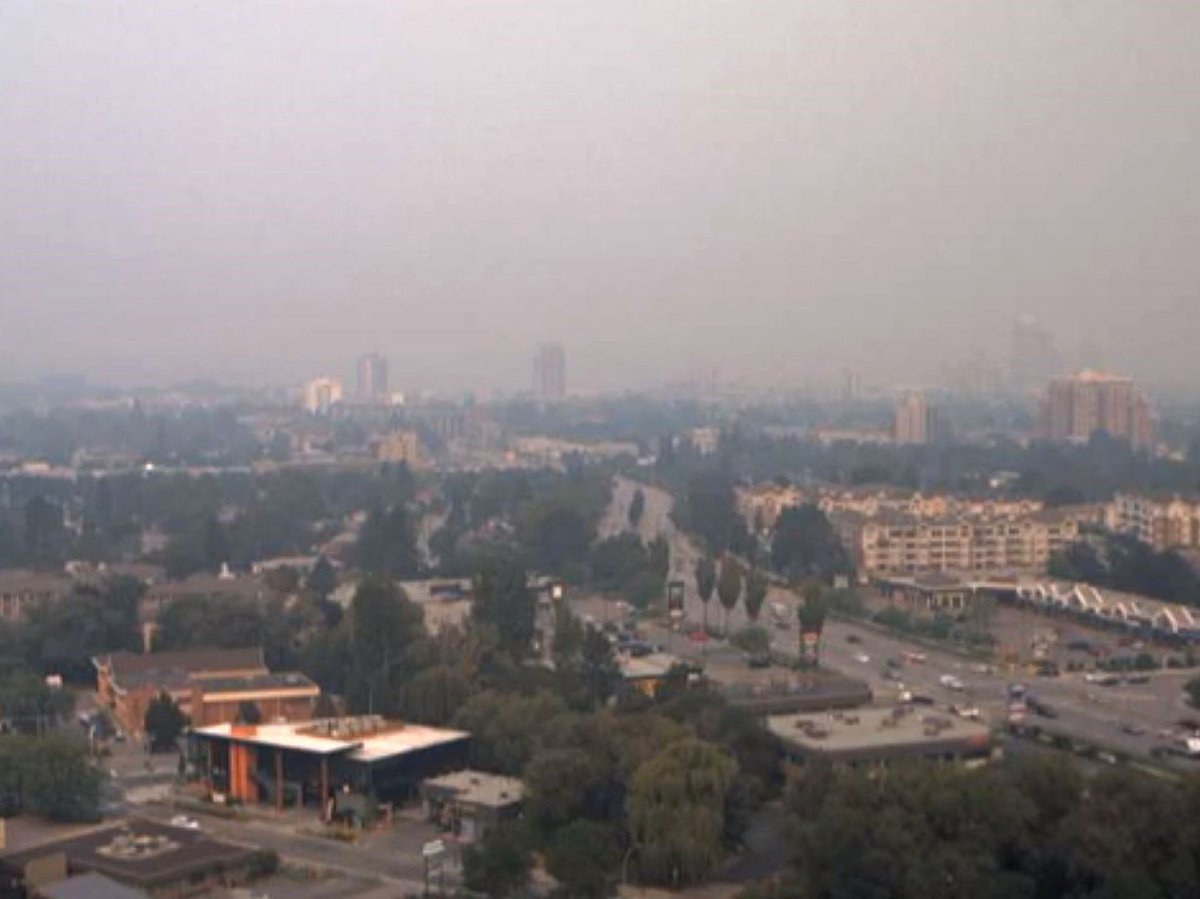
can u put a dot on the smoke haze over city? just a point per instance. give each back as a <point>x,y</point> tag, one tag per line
<point>259,193</point>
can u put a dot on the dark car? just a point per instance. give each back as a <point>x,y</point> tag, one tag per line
<point>759,660</point>
<point>922,699</point>
<point>1133,729</point>
<point>1040,708</point>
<point>853,638</point>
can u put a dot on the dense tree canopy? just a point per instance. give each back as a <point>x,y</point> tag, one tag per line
<point>51,776</point>
<point>1027,829</point>
<point>804,545</point>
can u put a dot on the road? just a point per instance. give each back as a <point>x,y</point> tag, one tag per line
<point>393,857</point>
<point>1087,711</point>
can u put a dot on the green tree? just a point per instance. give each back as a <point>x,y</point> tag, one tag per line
<point>585,666</point>
<point>706,582</point>
<point>505,602</point>
<point>637,508</point>
<point>756,593</point>
<point>499,864</point>
<point>1192,689</point>
<point>616,561</point>
<point>556,535</point>
<point>63,636</point>
<point>52,776</point>
<point>805,546</point>
<point>30,705</point>
<point>558,786</point>
<point>387,543</point>
<point>322,580</point>
<point>729,586</point>
<point>163,723</point>
<point>383,625</point>
<point>435,694</point>
<point>677,811</point>
<point>508,730</point>
<point>583,857</point>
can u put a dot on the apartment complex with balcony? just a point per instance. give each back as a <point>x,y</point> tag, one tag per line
<point>893,543</point>
<point>1161,522</point>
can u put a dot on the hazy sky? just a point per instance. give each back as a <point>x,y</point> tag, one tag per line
<point>261,191</point>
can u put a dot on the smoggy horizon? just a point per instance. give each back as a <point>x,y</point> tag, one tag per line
<point>260,194</point>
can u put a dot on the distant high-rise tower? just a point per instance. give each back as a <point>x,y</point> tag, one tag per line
<point>851,387</point>
<point>1075,408</point>
<point>916,420</point>
<point>1034,357</point>
<point>550,373</point>
<point>372,386</point>
<point>320,394</point>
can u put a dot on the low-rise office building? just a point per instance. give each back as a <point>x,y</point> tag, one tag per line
<point>874,737</point>
<point>154,858</point>
<point>324,762</point>
<point>471,803</point>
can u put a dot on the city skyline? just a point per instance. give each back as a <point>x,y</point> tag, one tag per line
<point>869,177</point>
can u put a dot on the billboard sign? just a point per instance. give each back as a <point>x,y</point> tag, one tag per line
<point>810,648</point>
<point>675,593</point>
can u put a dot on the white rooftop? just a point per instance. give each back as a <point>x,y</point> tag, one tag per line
<point>366,738</point>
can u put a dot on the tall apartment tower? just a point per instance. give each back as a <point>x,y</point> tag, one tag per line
<point>1075,408</point>
<point>372,385</point>
<point>916,421</point>
<point>321,394</point>
<point>550,373</point>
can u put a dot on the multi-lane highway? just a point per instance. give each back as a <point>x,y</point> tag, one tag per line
<point>1131,719</point>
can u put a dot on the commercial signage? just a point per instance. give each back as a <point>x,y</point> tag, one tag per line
<point>810,647</point>
<point>675,598</point>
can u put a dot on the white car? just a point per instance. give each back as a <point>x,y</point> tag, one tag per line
<point>950,682</point>
<point>966,711</point>
<point>185,822</point>
<point>862,658</point>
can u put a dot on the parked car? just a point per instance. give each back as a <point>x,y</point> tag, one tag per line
<point>853,638</point>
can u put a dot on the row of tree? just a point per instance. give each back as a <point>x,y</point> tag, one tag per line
<point>1126,564</point>
<point>1025,829</point>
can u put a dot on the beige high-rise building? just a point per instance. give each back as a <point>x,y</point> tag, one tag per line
<point>320,394</point>
<point>1075,408</point>
<point>916,420</point>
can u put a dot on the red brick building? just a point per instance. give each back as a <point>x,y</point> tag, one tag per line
<point>209,685</point>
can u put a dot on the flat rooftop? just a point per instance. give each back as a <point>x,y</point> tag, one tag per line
<point>139,853</point>
<point>365,738</point>
<point>479,788</point>
<point>878,731</point>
